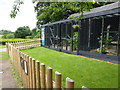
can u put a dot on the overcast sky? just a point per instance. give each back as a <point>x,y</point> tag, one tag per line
<point>26,16</point>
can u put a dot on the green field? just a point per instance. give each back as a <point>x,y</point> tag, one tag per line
<point>84,71</point>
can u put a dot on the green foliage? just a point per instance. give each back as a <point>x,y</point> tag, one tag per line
<point>55,11</point>
<point>3,32</point>
<point>37,36</point>
<point>22,32</point>
<point>29,37</point>
<point>105,42</point>
<point>8,36</point>
<point>74,40</point>
<point>36,33</point>
<point>76,26</point>
<point>4,41</point>
<point>98,4</point>
<point>16,8</point>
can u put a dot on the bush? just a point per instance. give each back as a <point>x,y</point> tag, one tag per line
<point>29,37</point>
<point>37,36</point>
<point>4,41</point>
<point>8,36</point>
<point>4,36</point>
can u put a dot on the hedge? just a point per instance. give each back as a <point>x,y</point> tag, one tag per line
<point>4,41</point>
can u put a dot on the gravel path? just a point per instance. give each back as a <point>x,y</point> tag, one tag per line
<point>3,50</point>
<point>6,78</point>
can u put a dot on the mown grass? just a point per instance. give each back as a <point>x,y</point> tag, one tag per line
<point>4,55</point>
<point>84,71</point>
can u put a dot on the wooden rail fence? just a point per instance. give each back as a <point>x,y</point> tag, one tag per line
<point>33,73</point>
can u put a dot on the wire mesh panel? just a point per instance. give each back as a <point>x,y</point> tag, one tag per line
<point>55,36</point>
<point>95,32</point>
<point>63,36</point>
<point>110,35</point>
<point>47,35</point>
<point>84,33</point>
<point>69,37</point>
<point>87,37</point>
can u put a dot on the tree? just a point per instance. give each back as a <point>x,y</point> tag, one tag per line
<point>22,32</point>
<point>48,12</point>
<point>8,36</point>
<point>34,32</point>
<point>3,32</point>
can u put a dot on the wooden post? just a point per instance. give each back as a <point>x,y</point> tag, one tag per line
<point>23,73</point>
<point>69,83</point>
<point>7,48</point>
<point>33,73</point>
<point>49,77</point>
<point>28,80</point>
<point>17,59</point>
<point>43,79</point>
<point>37,74</point>
<point>20,64</point>
<point>30,72</point>
<point>58,80</point>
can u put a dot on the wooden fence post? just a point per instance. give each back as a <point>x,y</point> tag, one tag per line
<point>58,80</point>
<point>30,72</point>
<point>26,81</point>
<point>43,78</point>
<point>37,74</point>
<point>69,83</point>
<point>33,73</point>
<point>20,68</point>
<point>49,77</point>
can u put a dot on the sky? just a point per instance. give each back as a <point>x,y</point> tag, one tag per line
<point>26,16</point>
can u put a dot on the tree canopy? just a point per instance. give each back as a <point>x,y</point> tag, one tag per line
<point>54,11</point>
<point>3,32</point>
<point>48,12</point>
<point>22,32</point>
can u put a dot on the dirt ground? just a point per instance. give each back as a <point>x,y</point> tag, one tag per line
<point>6,77</point>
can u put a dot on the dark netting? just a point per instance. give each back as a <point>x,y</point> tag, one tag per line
<point>92,35</point>
<point>110,35</point>
<point>95,32</point>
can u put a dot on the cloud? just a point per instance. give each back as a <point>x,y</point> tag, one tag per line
<point>26,16</point>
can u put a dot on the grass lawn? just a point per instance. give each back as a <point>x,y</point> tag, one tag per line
<point>84,71</point>
<point>2,46</point>
<point>4,55</point>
